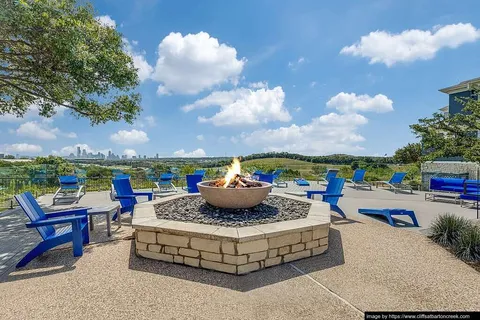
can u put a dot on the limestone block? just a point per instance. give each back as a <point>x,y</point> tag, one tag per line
<point>287,239</point>
<point>307,236</point>
<point>189,252</point>
<point>211,256</point>
<point>246,268</point>
<point>218,266</point>
<point>296,256</point>
<point>252,246</point>
<point>205,245</point>
<point>172,240</point>
<point>236,260</point>
<point>155,248</point>
<point>273,261</point>
<point>146,237</point>
<point>257,256</point>
<point>155,255</point>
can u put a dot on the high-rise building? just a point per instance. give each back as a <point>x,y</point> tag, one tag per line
<point>84,153</point>
<point>78,152</point>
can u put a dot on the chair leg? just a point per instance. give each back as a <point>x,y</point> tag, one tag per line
<point>338,210</point>
<point>35,252</point>
<point>411,214</point>
<point>86,235</point>
<point>77,239</point>
<point>389,218</point>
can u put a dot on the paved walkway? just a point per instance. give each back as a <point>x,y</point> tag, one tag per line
<point>369,266</point>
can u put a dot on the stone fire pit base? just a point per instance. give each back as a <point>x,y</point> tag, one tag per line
<point>226,249</point>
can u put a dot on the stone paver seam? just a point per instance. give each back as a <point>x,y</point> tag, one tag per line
<point>327,289</point>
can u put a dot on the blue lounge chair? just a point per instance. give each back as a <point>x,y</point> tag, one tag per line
<point>70,188</point>
<point>76,232</point>
<point>276,179</point>
<point>200,172</point>
<point>126,196</point>
<point>192,180</point>
<point>388,213</point>
<point>358,179</point>
<point>330,174</point>
<point>165,183</point>
<point>301,182</point>
<point>265,177</point>
<point>113,193</point>
<point>331,195</point>
<point>396,182</point>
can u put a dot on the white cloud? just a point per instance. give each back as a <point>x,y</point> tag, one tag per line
<point>313,84</point>
<point>411,45</point>
<point>350,102</point>
<point>148,121</point>
<point>258,85</point>
<point>195,62</point>
<point>107,21</point>
<point>42,131</point>
<point>200,137</point>
<point>22,148</point>
<point>144,70</point>
<point>234,140</point>
<point>65,151</point>
<point>294,65</point>
<point>244,106</point>
<point>129,137</point>
<point>32,113</point>
<point>297,109</point>
<point>199,153</point>
<point>330,133</point>
<point>130,153</point>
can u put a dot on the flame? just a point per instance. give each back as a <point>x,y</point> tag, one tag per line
<point>232,171</point>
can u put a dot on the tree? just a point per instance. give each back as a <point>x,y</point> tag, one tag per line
<point>410,153</point>
<point>452,135</point>
<point>55,53</point>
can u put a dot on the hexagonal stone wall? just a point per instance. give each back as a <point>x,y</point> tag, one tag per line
<point>231,250</point>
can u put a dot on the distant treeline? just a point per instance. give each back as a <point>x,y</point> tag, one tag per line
<point>338,159</point>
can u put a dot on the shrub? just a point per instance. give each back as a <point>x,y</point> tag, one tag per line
<point>447,229</point>
<point>468,245</point>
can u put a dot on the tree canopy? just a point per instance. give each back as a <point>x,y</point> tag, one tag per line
<point>55,53</point>
<point>452,135</point>
<point>410,153</point>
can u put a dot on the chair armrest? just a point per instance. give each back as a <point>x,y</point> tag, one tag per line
<point>332,195</point>
<point>125,197</point>
<point>78,211</point>
<point>312,192</point>
<point>49,222</point>
<point>148,194</point>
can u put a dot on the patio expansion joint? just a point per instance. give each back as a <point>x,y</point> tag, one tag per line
<point>327,289</point>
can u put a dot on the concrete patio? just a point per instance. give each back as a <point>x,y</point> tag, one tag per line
<point>369,266</point>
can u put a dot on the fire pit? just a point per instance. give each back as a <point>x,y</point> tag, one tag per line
<point>234,191</point>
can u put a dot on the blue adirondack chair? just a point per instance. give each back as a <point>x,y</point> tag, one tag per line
<point>76,232</point>
<point>265,177</point>
<point>165,183</point>
<point>276,178</point>
<point>126,196</point>
<point>396,182</point>
<point>192,180</point>
<point>358,179</point>
<point>388,213</point>
<point>70,188</point>
<point>331,195</point>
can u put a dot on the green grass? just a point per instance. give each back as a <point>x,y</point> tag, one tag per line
<point>305,168</point>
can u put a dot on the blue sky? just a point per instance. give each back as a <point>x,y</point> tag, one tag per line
<point>238,77</point>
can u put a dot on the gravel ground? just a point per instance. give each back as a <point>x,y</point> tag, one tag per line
<point>197,210</point>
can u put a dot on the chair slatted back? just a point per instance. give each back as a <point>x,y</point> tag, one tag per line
<point>397,177</point>
<point>334,186</point>
<point>359,175</point>
<point>166,177</point>
<point>331,174</point>
<point>192,180</point>
<point>199,172</point>
<point>31,208</point>
<point>265,177</point>
<point>277,173</point>
<point>68,180</point>
<point>124,188</point>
